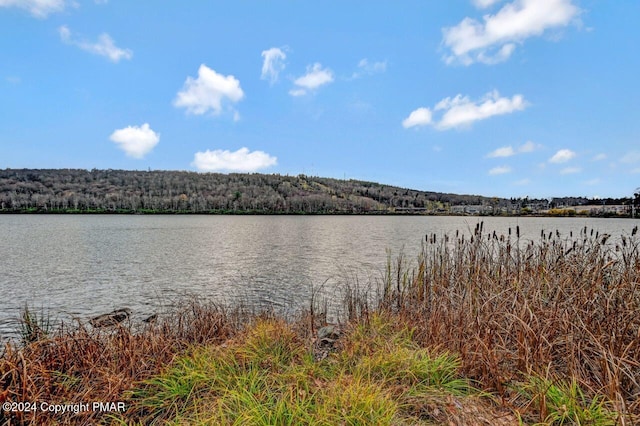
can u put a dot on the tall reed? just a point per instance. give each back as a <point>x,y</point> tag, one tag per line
<point>562,306</point>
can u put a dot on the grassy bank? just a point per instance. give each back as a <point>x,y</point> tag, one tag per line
<point>480,329</point>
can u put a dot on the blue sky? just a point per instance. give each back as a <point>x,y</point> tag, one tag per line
<point>505,98</point>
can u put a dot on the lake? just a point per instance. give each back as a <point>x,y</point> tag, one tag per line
<point>79,266</point>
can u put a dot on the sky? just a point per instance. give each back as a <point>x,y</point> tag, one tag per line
<point>507,98</point>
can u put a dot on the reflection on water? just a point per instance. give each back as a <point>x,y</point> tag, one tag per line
<point>81,266</point>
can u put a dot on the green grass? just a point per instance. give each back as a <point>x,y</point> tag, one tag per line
<point>268,376</point>
<point>565,403</point>
<point>34,326</point>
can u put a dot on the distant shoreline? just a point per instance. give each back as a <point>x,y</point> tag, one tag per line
<point>301,213</point>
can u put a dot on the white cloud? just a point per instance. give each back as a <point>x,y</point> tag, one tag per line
<point>418,117</point>
<point>528,147</point>
<point>493,40</point>
<point>570,170</point>
<point>500,170</point>
<point>631,157</point>
<point>594,181</point>
<point>562,156</point>
<point>208,91</point>
<point>37,8</point>
<point>461,111</point>
<point>599,157</point>
<point>315,77</point>
<point>238,161</point>
<point>136,141</point>
<point>368,68</point>
<point>273,64</point>
<point>522,182</point>
<point>505,151</point>
<point>508,151</point>
<point>103,47</point>
<point>500,56</point>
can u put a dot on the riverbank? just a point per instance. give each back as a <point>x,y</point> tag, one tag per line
<point>584,212</point>
<point>481,329</point>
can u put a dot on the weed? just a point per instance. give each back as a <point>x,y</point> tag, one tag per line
<point>34,327</point>
<point>562,403</point>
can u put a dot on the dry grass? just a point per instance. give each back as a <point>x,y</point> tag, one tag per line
<point>564,307</point>
<point>81,364</point>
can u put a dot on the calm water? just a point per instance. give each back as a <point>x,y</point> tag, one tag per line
<point>81,266</point>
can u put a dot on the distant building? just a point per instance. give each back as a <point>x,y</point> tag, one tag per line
<point>472,210</point>
<point>597,210</point>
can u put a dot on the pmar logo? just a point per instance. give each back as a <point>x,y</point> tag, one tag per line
<point>109,406</point>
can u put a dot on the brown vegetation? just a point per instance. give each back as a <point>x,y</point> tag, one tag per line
<point>561,308</point>
<point>81,364</point>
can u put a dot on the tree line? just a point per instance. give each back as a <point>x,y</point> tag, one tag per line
<point>126,191</point>
<point>77,190</point>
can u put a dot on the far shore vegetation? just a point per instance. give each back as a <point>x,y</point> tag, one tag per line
<point>480,329</point>
<point>74,191</point>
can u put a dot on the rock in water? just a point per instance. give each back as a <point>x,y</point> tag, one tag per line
<point>112,318</point>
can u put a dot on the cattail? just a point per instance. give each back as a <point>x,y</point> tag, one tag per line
<point>634,230</point>
<point>518,231</point>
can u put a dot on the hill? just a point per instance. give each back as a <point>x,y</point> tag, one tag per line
<point>121,191</point>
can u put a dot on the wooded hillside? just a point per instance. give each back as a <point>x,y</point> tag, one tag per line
<point>73,190</point>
